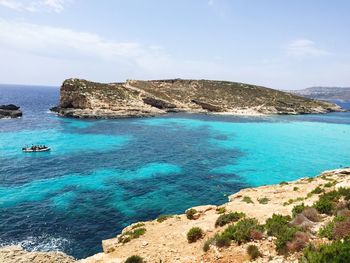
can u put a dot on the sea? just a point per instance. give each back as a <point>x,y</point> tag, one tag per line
<point>102,175</point>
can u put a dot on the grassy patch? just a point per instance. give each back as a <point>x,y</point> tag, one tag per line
<point>326,202</point>
<point>137,225</point>
<point>317,190</point>
<point>337,252</point>
<point>190,213</point>
<point>253,252</point>
<point>194,234</point>
<point>276,224</point>
<point>134,259</point>
<point>162,218</point>
<point>328,230</point>
<point>129,235</point>
<point>221,210</point>
<point>263,200</point>
<point>207,244</point>
<point>298,209</point>
<point>329,184</point>
<point>228,218</point>
<point>247,199</point>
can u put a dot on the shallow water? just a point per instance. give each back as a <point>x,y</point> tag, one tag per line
<point>102,175</point>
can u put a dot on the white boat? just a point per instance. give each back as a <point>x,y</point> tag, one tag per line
<point>35,149</point>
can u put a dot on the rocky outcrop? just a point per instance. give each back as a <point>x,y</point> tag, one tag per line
<point>16,254</point>
<point>165,240</point>
<point>10,111</point>
<point>135,98</point>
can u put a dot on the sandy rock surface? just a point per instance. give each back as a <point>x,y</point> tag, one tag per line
<point>15,254</point>
<point>166,242</point>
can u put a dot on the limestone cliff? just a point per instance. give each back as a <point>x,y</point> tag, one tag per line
<point>86,99</point>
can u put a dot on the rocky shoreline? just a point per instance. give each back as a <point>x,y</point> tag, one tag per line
<point>135,98</point>
<point>166,239</point>
<point>10,111</point>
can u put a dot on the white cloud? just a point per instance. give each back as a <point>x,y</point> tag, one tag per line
<point>64,42</point>
<point>305,48</point>
<point>82,49</point>
<point>35,5</point>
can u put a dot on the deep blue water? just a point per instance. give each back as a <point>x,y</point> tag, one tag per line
<point>102,175</point>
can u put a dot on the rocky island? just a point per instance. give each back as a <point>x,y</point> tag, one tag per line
<point>306,220</point>
<point>10,111</point>
<point>136,98</point>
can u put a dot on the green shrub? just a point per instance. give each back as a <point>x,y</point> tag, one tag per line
<point>253,252</point>
<point>241,231</point>
<point>295,188</point>
<point>317,190</point>
<point>286,234</point>
<point>207,244</point>
<point>328,230</point>
<point>194,234</point>
<point>223,239</point>
<point>221,210</point>
<point>228,218</point>
<point>162,218</point>
<point>134,259</point>
<point>298,209</point>
<point>276,224</point>
<point>137,225</point>
<point>335,252</point>
<point>127,236</point>
<point>190,213</point>
<point>326,202</point>
<point>247,199</point>
<point>329,184</point>
<point>283,183</point>
<point>263,200</point>
<point>324,206</point>
<point>345,192</point>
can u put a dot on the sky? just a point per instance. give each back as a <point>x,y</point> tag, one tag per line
<point>282,44</point>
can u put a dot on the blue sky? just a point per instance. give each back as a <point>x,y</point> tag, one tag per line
<point>283,44</point>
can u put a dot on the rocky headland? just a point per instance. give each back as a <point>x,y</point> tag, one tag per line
<point>306,220</point>
<point>325,93</point>
<point>136,98</point>
<point>10,111</point>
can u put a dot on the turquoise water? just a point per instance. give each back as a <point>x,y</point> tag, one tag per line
<point>102,175</point>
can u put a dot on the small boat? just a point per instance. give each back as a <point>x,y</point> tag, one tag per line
<point>36,148</point>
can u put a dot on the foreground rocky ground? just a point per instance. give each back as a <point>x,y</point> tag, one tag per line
<point>15,254</point>
<point>264,224</point>
<point>135,98</point>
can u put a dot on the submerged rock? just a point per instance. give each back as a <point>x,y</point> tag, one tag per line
<point>10,111</point>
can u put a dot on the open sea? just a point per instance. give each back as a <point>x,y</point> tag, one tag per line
<point>102,175</point>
